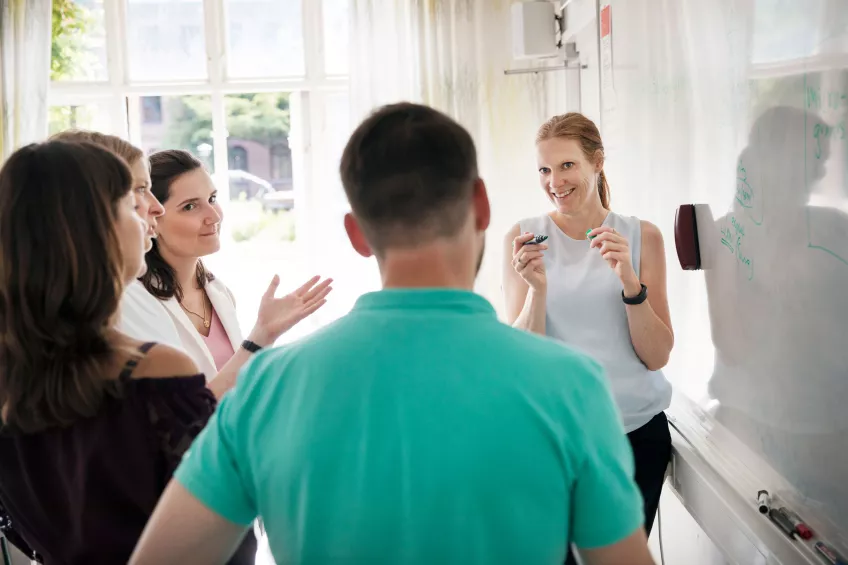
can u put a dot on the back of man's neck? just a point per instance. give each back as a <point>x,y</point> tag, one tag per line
<point>425,268</point>
<point>414,280</point>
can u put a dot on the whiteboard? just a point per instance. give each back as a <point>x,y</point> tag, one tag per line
<point>742,107</point>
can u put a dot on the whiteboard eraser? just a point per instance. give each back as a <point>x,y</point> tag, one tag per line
<point>686,238</point>
<point>534,29</point>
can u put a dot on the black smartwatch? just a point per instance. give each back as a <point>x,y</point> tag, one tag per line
<point>638,299</point>
<point>250,346</point>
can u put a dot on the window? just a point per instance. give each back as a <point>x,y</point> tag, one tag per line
<point>151,109</point>
<point>281,164</point>
<point>165,40</point>
<point>335,13</point>
<point>79,41</point>
<point>274,47</point>
<point>84,116</point>
<point>238,158</point>
<point>185,122</point>
<point>257,124</point>
<point>262,207</point>
<point>247,98</point>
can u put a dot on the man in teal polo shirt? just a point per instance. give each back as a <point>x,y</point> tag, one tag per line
<point>418,429</point>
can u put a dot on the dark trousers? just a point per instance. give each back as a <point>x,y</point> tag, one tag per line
<point>246,552</point>
<point>651,446</point>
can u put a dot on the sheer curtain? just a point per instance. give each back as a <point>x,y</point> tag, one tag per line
<point>24,72</point>
<point>449,54</point>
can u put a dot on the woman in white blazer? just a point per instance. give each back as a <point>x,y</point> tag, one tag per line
<point>201,306</point>
<point>223,307</point>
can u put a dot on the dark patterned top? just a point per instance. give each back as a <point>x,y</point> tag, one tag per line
<point>83,494</point>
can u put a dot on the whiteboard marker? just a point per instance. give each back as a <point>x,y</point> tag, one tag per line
<point>783,523</point>
<point>803,530</point>
<point>763,501</point>
<point>829,554</point>
<point>536,240</point>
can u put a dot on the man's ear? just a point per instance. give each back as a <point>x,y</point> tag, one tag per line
<point>356,237</point>
<point>482,209</point>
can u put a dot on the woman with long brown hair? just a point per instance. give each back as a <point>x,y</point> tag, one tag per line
<point>142,316</point>
<point>92,422</point>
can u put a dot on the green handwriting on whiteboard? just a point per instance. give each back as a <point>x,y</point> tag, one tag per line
<point>742,259</point>
<point>820,103</point>
<point>833,99</point>
<point>744,193</point>
<point>746,196</point>
<point>731,238</point>
<point>823,131</point>
<point>740,229</point>
<point>727,239</point>
<point>826,102</point>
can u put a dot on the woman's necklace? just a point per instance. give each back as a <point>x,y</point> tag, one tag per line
<point>206,323</point>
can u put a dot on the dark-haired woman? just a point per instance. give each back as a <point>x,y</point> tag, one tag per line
<point>201,306</point>
<point>92,422</point>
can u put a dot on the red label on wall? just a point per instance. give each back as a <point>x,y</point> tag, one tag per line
<point>605,22</point>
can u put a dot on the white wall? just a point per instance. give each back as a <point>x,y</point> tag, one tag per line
<point>506,144</point>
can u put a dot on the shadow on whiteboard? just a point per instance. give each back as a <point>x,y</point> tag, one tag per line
<point>776,271</point>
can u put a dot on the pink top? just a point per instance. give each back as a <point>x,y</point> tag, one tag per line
<point>218,342</point>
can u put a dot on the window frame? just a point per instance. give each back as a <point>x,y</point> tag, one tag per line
<point>118,93</point>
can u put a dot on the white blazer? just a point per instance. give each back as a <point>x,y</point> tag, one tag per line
<point>192,342</point>
<point>143,317</point>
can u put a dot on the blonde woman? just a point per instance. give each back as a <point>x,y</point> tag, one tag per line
<point>597,283</point>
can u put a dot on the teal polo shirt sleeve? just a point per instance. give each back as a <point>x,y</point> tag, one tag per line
<point>606,506</point>
<point>215,469</point>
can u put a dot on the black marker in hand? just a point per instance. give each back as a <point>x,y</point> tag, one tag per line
<point>536,240</point>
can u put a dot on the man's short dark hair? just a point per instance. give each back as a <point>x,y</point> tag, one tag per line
<point>409,173</point>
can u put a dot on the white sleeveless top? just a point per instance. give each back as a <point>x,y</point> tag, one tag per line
<point>585,310</point>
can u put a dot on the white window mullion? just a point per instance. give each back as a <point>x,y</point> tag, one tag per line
<point>301,141</point>
<point>133,103</point>
<point>313,40</point>
<point>215,24</point>
<point>219,143</point>
<point>116,57</point>
<point>305,125</point>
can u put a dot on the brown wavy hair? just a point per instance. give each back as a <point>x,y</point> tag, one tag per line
<point>578,127</point>
<point>120,147</point>
<point>160,279</point>
<point>61,271</point>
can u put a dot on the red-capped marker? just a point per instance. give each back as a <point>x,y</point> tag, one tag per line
<point>803,529</point>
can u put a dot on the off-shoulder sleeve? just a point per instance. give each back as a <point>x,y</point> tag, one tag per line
<point>178,410</point>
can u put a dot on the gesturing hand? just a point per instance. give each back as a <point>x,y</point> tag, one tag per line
<point>278,315</point>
